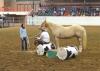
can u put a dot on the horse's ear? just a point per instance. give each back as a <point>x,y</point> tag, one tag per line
<point>45,24</point>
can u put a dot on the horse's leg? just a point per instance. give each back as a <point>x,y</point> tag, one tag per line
<point>57,42</point>
<point>82,40</point>
<point>79,36</point>
<point>80,44</point>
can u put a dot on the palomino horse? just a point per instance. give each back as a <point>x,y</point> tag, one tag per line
<point>59,31</point>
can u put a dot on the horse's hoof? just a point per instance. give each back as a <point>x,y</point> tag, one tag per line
<point>80,50</point>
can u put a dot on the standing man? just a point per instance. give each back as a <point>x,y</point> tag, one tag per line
<point>24,37</point>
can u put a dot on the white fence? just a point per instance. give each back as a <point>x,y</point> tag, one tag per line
<point>63,20</point>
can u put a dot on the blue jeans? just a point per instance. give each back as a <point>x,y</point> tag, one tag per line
<point>24,43</point>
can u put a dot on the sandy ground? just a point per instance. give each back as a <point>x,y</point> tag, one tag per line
<point>13,59</point>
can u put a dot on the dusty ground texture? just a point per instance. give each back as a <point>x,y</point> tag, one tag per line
<point>13,59</point>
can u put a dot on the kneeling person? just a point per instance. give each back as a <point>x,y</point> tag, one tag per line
<point>44,37</point>
<point>43,42</point>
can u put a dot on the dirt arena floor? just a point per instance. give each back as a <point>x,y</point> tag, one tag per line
<point>13,59</point>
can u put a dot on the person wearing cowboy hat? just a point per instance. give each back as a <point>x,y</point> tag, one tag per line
<point>44,37</point>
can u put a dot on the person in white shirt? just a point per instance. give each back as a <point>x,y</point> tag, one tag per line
<point>23,36</point>
<point>44,37</point>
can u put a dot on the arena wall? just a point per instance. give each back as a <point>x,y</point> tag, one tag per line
<point>69,20</point>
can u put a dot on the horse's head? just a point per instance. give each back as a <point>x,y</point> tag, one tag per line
<point>48,25</point>
<point>44,24</point>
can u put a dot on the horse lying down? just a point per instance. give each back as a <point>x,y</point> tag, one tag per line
<point>67,52</point>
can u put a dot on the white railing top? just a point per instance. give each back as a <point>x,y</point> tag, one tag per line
<point>69,20</point>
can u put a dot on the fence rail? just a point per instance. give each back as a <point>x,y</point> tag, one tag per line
<point>62,20</point>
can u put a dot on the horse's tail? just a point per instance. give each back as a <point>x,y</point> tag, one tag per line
<point>84,39</point>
